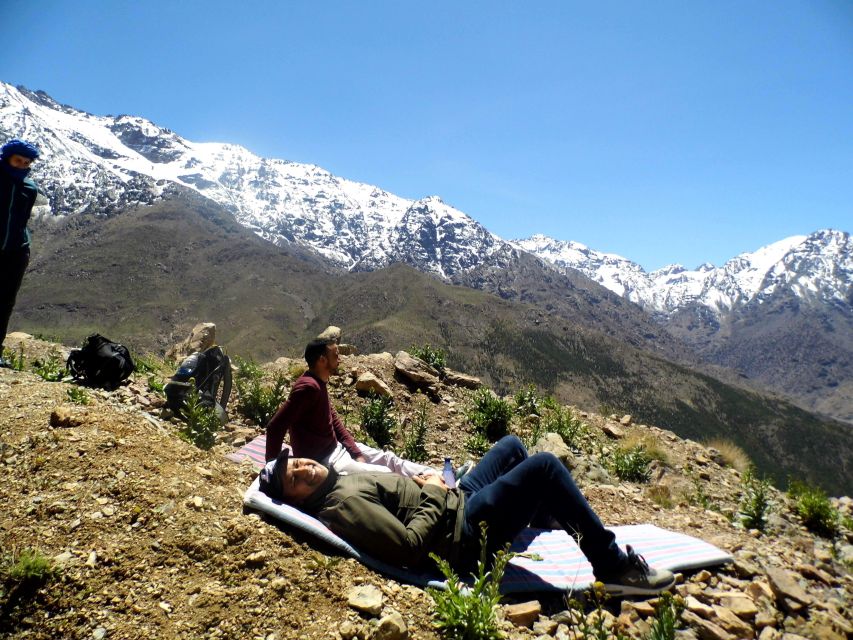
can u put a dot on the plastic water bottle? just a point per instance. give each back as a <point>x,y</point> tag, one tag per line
<point>448,474</point>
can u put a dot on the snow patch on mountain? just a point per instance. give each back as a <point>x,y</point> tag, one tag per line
<point>818,268</point>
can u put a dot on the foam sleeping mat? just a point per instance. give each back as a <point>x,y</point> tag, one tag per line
<point>562,565</point>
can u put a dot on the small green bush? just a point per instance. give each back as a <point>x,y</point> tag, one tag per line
<point>661,495</point>
<point>378,422</point>
<point>436,358</point>
<point>490,415</point>
<point>755,504</point>
<point>632,465</point>
<point>77,395</point>
<point>414,437</point>
<point>813,507</point>
<point>51,368</point>
<point>469,614</point>
<point>667,617</point>
<point>567,425</point>
<point>16,362</point>
<point>477,445</point>
<point>700,498</point>
<point>155,384</point>
<point>145,363</point>
<point>30,567</point>
<point>594,626</point>
<point>201,421</point>
<point>527,402</point>
<point>257,400</point>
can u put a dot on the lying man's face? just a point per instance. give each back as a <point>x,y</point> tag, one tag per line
<point>302,479</point>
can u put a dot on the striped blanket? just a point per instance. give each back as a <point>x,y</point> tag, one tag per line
<point>562,565</point>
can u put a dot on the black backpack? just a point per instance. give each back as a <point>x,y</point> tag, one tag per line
<point>100,362</point>
<point>211,371</point>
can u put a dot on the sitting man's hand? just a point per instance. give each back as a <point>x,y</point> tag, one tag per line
<point>360,458</point>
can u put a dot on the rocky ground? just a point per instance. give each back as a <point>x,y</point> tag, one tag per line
<point>149,538</point>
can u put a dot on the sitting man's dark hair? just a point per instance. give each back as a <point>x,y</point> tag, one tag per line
<point>314,350</point>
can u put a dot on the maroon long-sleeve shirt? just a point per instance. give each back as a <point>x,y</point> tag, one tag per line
<point>315,428</point>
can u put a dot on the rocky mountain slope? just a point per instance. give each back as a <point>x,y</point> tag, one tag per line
<point>104,164</point>
<point>147,535</point>
<point>782,315</point>
<point>140,275</point>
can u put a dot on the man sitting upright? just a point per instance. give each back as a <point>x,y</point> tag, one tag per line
<point>317,432</point>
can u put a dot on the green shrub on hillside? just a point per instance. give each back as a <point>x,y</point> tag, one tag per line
<point>470,614</point>
<point>436,358</point>
<point>146,363</point>
<point>527,402</point>
<point>16,362</point>
<point>201,422</point>
<point>667,617</point>
<point>77,395</point>
<point>490,415</point>
<point>28,568</point>
<point>477,445</point>
<point>566,424</point>
<point>755,504</point>
<point>813,507</point>
<point>377,421</point>
<point>632,464</point>
<point>414,436</point>
<point>51,368</point>
<point>258,400</point>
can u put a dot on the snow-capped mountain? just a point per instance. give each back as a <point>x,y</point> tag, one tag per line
<point>816,268</point>
<point>103,164</point>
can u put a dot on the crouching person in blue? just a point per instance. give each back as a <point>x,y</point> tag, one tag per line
<point>401,520</point>
<point>17,197</point>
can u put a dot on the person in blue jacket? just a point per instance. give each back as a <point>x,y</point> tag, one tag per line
<point>17,197</point>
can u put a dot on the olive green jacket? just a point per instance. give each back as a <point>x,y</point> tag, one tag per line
<point>393,519</point>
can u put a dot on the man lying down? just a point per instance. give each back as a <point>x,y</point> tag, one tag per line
<point>401,520</point>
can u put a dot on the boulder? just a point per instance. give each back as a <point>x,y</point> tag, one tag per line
<point>523,614</point>
<point>553,443</point>
<point>705,629</point>
<point>414,370</point>
<point>369,383</point>
<point>458,379</point>
<point>365,598</point>
<point>203,337</point>
<point>391,627</point>
<point>789,594</point>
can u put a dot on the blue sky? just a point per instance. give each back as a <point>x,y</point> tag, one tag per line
<point>662,131</point>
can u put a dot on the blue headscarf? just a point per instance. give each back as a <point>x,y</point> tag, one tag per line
<point>20,148</point>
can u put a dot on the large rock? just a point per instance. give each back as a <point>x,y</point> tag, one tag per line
<point>553,443</point>
<point>202,337</point>
<point>705,629</point>
<point>391,627</point>
<point>523,614</point>
<point>458,379</point>
<point>414,370</point>
<point>789,594</point>
<point>365,598</point>
<point>369,383</point>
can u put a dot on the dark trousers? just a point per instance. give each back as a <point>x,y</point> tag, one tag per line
<point>13,264</point>
<point>507,490</point>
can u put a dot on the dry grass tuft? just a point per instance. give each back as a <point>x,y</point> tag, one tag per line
<point>732,454</point>
<point>650,442</point>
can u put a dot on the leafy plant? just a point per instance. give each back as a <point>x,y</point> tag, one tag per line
<point>29,567</point>
<point>145,363</point>
<point>258,401</point>
<point>593,626</point>
<point>325,564</point>
<point>436,358</point>
<point>490,415</point>
<point>50,369</point>
<point>377,421</point>
<point>528,402</point>
<point>16,362</point>
<point>632,465</point>
<point>755,503</point>
<point>201,421</point>
<point>155,384</point>
<point>477,444</point>
<point>77,395</point>
<point>660,495</point>
<point>469,613</point>
<point>813,507</point>
<point>667,617</point>
<point>567,425</point>
<point>414,437</point>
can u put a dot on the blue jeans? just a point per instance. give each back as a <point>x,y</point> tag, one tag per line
<point>507,490</point>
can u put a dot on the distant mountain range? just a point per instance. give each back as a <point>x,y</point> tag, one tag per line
<point>782,315</point>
